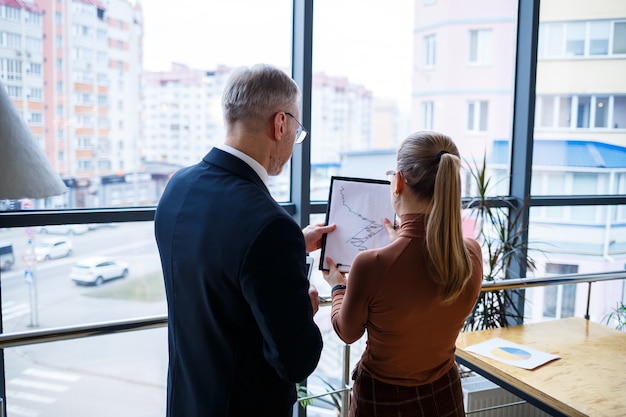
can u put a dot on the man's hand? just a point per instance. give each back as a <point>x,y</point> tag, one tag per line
<point>313,235</point>
<point>315,298</point>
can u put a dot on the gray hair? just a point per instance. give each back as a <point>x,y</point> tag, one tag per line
<point>257,92</point>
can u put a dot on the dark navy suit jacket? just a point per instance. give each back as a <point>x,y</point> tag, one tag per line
<point>240,322</point>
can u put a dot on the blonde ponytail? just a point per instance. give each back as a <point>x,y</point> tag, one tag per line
<point>431,165</point>
<point>451,262</point>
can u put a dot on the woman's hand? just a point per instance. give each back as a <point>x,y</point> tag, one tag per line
<point>392,232</point>
<point>333,276</point>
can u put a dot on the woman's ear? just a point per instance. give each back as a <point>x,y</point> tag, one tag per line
<point>399,183</point>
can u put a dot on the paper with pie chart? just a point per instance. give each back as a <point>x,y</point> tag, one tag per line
<point>512,353</point>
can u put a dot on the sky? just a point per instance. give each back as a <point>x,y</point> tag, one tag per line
<point>369,41</point>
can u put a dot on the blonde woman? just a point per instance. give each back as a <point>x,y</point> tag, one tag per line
<point>412,296</point>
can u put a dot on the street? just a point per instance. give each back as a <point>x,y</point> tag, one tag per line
<point>122,374</point>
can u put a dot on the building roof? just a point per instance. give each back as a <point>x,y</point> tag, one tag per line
<point>567,153</point>
<point>19,4</point>
<point>96,3</point>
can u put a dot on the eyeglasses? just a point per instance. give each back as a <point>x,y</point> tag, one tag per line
<point>391,174</point>
<point>301,132</point>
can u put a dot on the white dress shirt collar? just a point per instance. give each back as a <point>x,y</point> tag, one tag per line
<point>258,168</point>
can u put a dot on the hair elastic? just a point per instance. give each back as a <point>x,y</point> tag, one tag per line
<point>439,155</point>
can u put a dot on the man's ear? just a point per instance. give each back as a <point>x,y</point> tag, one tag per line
<point>280,125</point>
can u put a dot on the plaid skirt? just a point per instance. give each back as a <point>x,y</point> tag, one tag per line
<point>441,398</point>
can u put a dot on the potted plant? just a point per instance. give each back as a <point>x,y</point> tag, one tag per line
<point>617,316</point>
<point>502,241</point>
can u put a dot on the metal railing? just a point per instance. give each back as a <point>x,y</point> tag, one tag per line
<point>119,326</point>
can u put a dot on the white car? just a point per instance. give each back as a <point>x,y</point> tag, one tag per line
<point>64,229</point>
<point>97,270</point>
<point>52,248</point>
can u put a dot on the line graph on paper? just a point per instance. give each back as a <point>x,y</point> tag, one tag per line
<point>358,208</point>
<point>370,229</point>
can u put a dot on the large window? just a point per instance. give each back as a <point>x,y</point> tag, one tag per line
<point>375,77</point>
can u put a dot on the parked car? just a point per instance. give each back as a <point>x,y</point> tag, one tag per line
<point>97,270</point>
<point>52,248</point>
<point>7,258</point>
<point>64,229</point>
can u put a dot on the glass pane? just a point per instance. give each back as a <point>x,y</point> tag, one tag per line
<point>599,37</point>
<point>370,96</point>
<point>601,112</point>
<point>115,375</point>
<point>590,138</point>
<point>619,112</point>
<point>619,38</point>
<point>545,112</point>
<point>575,38</point>
<point>55,279</point>
<point>130,97</point>
<point>573,244</point>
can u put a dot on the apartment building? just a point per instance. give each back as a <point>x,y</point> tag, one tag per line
<point>91,66</point>
<point>182,114</point>
<point>22,60</point>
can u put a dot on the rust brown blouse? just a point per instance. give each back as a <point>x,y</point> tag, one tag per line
<point>410,334</point>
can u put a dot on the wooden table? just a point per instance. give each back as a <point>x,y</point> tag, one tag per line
<point>589,379</point>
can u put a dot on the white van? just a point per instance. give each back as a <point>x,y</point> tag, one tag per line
<point>7,258</point>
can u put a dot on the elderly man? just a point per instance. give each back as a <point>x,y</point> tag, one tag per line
<point>240,308</point>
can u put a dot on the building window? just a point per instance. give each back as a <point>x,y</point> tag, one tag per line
<point>599,33</point>
<point>33,18</point>
<point>84,142</point>
<point>33,69</point>
<point>429,51</point>
<point>480,46</point>
<point>582,39</point>
<point>575,39</point>
<point>35,118</point>
<point>427,115</point>
<point>35,94</point>
<point>14,91</point>
<point>477,116</point>
<point>581,112</point>
<point>10,69</point>
<point>10,40</point>
<point>9,13</point>
<point>34,45</point>
<point>619,38</point>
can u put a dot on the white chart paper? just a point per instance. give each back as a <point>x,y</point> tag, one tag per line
<point>358,207</point>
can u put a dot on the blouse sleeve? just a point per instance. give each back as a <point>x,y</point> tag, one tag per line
<point>350,306</point>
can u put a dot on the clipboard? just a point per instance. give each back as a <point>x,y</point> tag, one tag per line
<point>357,206</point>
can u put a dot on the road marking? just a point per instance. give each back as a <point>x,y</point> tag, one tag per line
<point>62,376</point>
<point>16,410</point>
<point>12,310</point>
<point>39,385</point>
<point>21,395</point>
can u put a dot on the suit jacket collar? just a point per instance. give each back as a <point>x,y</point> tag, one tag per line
<point>233,164</point>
